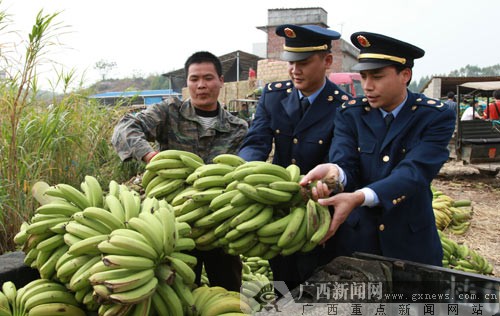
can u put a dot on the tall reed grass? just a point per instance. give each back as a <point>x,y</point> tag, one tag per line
<point>58,138</point>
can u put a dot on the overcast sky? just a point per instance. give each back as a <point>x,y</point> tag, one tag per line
<point>153,36</point>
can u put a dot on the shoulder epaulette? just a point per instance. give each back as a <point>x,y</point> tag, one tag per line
<point>433,103</point>
<point>279,86</point>
<point>356,102</point>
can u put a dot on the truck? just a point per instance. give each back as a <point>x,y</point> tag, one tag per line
<point>350,82</point>
<point>477,141</point>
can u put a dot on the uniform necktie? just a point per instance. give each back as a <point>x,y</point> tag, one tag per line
<point>304,104</point>
<point>388,120</point>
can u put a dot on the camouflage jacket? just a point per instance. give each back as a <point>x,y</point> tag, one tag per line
<point>173,124</point>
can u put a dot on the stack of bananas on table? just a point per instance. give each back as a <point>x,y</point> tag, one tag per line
<point>216,300</point>
<point>37,298</point>
<point>451,215</point>
<point>460,257</point>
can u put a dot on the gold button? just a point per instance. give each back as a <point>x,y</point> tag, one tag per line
<point>385,158</point>
<point>381,227</point>
<point>320,142</point>
<point>403,197</point>
<point>403,150</point>
<point>399,200</point>
<point>295,140</point>
<point>359,148</point>
<point>277,131</point>
<point>394,202</point>
<point>294,161</point>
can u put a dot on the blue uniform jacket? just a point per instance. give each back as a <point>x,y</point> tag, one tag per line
<point>305,141</point>
<point>399,166</point>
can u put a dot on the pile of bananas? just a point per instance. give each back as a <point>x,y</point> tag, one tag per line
<point>451,215</point>
<point>216,300</point>
<point>460,257</point>
<point>256,265</point>
<point>37,298</point>
<point>249,208</point>
<point>114,253</point>
<point>256,276</point>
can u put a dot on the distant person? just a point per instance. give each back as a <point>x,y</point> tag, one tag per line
<point>470,112</point>
<point>199,125</point>
<point>244,113</point>
<point>492,111</point>
<point>451,102</point>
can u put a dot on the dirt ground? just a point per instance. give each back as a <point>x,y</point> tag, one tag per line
<point>466,182</point>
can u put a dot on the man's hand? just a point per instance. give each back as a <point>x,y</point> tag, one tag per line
<point>327,172</point>
<point>343,204</point>
<point>147,157</point>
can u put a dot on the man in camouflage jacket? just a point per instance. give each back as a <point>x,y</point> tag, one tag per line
<point>198,125</point>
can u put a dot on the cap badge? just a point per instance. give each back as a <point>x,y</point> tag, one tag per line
<point>290,33</point>
<point>363,41</point>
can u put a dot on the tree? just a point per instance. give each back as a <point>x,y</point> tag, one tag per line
<point>104,67</point>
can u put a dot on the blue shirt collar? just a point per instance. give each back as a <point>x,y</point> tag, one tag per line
<point>396,110</point>
<point>313,96</point>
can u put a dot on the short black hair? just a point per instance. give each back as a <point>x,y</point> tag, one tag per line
<point>496,94</point>
<point>450,95</point>
<point>204,57</point>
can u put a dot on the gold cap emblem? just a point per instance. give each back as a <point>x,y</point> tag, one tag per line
<point>363,41</point>
<point>290,33</point>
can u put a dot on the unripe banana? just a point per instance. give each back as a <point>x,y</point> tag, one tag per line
<point>166,163</point>
<point>287,186</point>
<point>182,268</point>
<point>190,162</point>
<point>58,207</point>
<point>135,295</point>
<point>229,159</point>
<point>249,212</point>
<point>274,195</point>
<point>209,182</point>
<point>256,178</point>
<point>103,216</point>
<point>138,247</point>
<point>169,296</point>
<point>275,227</point>
<point>213,170</point>
<point>175,173</point>
<point>222,200</point>
<point>130,282</point>
<point>258,221</point>
<point>127,262</point>
<point>294,172</point>
<point>292,228</point>
<point>251,192</point>
<point>273,169</point>
<point>52,309</point>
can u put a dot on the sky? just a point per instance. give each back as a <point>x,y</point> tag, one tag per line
<point>153,36</point>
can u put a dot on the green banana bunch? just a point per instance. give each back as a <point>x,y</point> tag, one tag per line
<point>38,298</point>
<point>167,172</point>
<point>461,257</point>
<point>211,301</point>
<point>450,214</point>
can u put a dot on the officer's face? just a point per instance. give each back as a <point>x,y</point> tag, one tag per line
<point>204,85</point>
<point>384,87</point>
<point>308,75</point>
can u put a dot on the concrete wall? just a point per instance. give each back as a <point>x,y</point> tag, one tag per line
<point>433,90</point>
